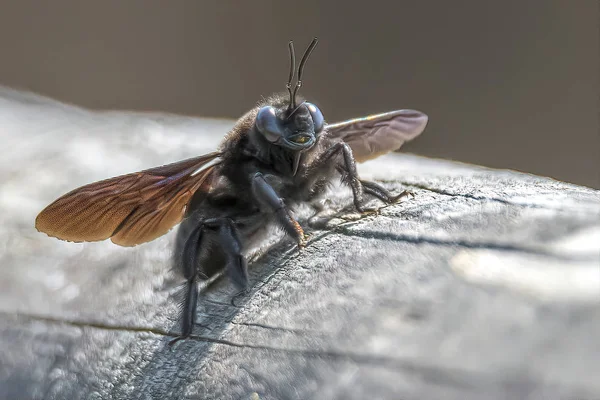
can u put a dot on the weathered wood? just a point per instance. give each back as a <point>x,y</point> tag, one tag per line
<point>485,285</point>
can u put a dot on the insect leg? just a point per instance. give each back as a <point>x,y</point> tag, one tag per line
<point>349,169</point>
<point>189,311</point>
<point>375,189</point>
<point>229,239</point>
<point>268,198</point>
<point>189,264</point>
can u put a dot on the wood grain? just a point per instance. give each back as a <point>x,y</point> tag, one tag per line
<point>484,286</point>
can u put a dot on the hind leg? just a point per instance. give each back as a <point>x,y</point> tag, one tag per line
<point>189,249</point>
<point>192,248</point>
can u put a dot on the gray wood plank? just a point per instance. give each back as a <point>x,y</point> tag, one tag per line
<point>484,285</point>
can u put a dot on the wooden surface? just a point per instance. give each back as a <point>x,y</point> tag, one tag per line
<point>486,285</point>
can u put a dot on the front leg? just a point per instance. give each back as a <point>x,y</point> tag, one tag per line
<point>267,197</point>
<point>348,169</point>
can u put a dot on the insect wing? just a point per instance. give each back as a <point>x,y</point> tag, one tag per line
<point>130,209</point>
<point>375,135</point>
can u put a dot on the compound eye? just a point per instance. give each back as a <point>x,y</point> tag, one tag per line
<point>317,117</point>
<point>268,124</point>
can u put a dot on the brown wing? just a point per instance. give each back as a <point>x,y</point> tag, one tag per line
<point>378,134</point>
<point>130,209</point>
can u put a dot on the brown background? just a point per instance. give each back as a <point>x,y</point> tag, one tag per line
<point>510,84</point>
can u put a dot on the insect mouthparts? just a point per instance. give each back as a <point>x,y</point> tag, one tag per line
<point>301,139</point>
<point>288,85</point>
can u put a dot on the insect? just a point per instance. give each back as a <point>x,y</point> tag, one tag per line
<point>279,154</point>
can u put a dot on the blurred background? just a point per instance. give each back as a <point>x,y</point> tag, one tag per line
<point>509,84</point>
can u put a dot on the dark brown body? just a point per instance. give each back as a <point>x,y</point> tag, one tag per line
<point>243,154</point>
<point>257,184</point>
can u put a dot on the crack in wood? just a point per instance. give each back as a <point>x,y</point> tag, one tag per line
<point>280,329</point>
<point>445,375</point>
<point>145,329</point>
<point>378,360</point>
<point>474,197</point>
<point>439,374</point>
<point>89,324</point>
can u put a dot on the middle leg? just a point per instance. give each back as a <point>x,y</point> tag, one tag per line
<point>228,238</point>
<point>376,190</point>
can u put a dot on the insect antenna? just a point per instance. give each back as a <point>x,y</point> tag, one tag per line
<point>295,109</point>
<point>309,50</point>
<point>292,70</point>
